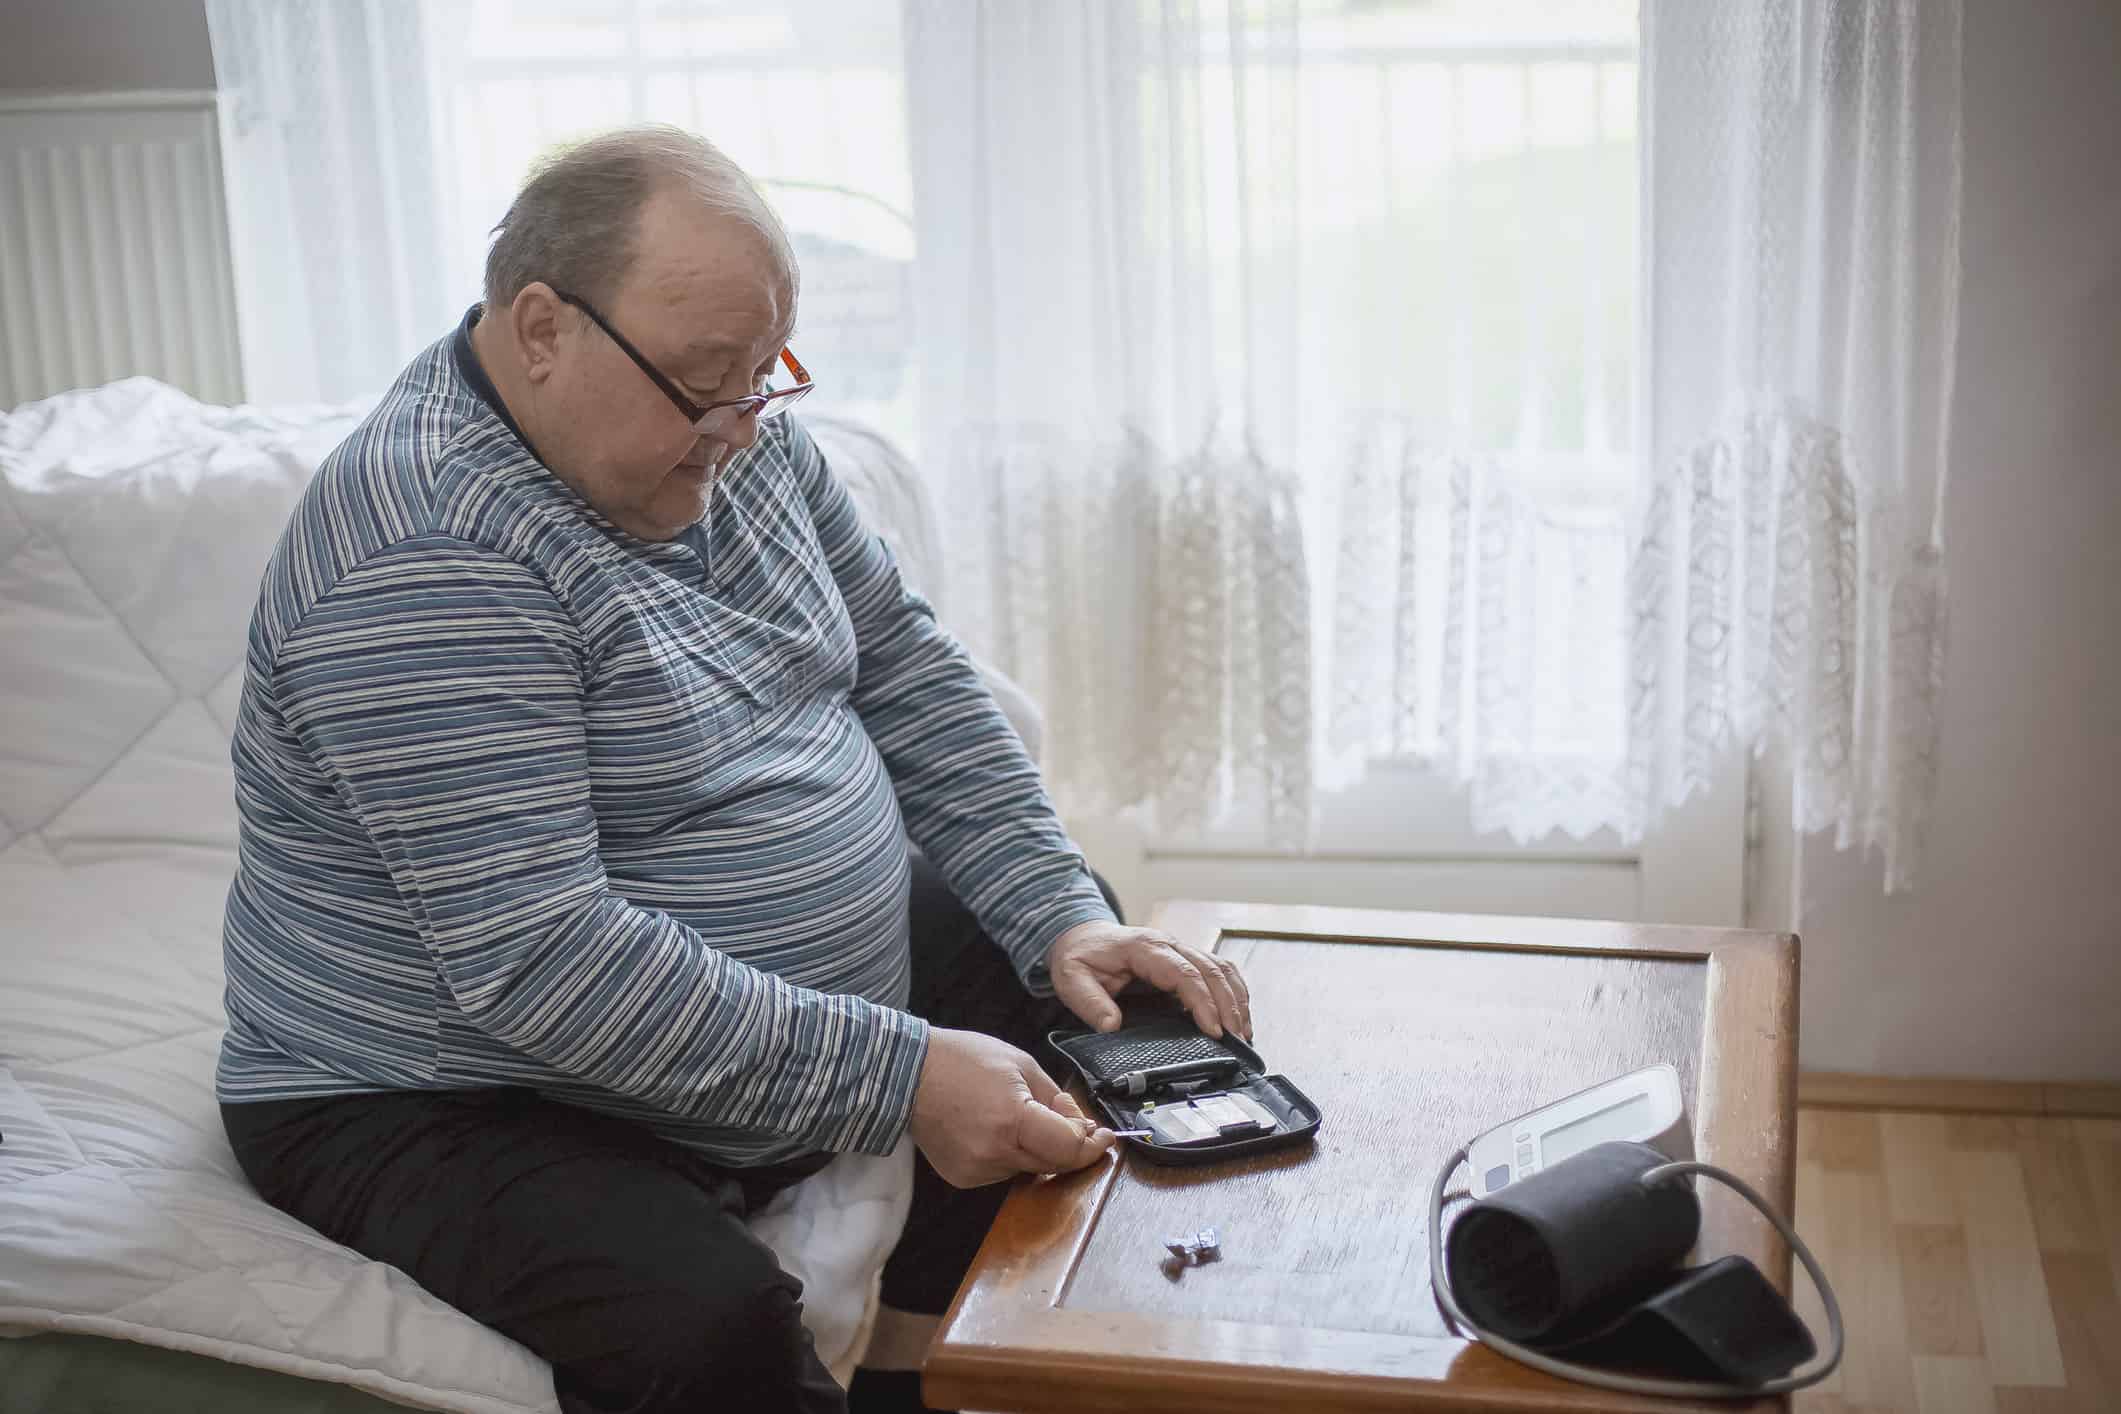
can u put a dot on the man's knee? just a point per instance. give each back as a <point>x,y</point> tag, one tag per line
<point>732,1332</point>
<point>753,1324</point>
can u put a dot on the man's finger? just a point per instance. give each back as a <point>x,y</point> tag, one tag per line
<point>1218,987</point>
<point>1052,1144</point>
<point>1166,967</point>
<point>1063,1104</point>
<point>1038,1082</point>
<point>1235,975</point>
<point>1081,993</point>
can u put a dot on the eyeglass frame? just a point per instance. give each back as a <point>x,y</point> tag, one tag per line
<point>769,404</point>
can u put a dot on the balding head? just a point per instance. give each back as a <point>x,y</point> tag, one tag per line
<point>576,223</point>
<point>671,244</point>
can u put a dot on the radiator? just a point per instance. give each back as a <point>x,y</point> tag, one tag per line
<point>114,245</point>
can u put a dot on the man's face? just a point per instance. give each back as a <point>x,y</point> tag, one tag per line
<point>705,304</point>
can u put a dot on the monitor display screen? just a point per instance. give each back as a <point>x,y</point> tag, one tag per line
<point>1620,1120</point>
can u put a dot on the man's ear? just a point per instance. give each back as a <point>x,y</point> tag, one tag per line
<point>536,318</point>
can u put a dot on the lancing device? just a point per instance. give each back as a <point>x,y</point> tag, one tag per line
<point>1141,1082</point>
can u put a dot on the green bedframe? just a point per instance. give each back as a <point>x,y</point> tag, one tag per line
<point>85,1374</point>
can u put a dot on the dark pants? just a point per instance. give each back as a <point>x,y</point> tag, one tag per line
<point>621,1259</point>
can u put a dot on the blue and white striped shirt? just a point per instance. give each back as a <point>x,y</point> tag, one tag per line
<point>529,801</point>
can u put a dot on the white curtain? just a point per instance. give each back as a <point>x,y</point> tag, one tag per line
<point>1283,428</point>
<point>1788,582</point>
<point>334,184</point>
<point>371,145</point>
<point>1108,305</point>
<point>1301,382</point>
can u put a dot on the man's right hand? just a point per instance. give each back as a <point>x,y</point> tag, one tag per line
<point>984,1111</point>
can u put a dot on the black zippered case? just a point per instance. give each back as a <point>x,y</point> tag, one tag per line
<point>1159,1057</point>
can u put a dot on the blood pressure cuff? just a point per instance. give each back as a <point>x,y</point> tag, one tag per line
<point>1723,1322</point>
<point>1580,1261</point>
<point>1202,1099</point>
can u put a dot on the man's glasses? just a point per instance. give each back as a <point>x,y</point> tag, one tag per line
<point>769,404</point>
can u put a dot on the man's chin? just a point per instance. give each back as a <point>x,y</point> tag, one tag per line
<point>683,503</point>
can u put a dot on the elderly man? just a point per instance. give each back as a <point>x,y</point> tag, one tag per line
<point>584,731</point>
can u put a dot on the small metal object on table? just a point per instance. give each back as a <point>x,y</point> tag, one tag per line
<point>1190,1250</point>
<point>1413,1032</point>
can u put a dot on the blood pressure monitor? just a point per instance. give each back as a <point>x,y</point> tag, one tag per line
<point>1643,1106</point>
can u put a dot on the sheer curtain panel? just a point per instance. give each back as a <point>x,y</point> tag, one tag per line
<point>1787,582</point>
<point>334,192</point>
<point>1109,306</point>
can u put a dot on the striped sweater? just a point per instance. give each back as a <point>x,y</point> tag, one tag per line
<point>528,801</point>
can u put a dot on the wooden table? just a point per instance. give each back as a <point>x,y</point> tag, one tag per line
<point>1413,1032</point>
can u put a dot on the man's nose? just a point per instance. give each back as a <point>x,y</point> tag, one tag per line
<point>741,431</point>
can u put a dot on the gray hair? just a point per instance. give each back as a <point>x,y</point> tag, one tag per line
<point>574,223</point>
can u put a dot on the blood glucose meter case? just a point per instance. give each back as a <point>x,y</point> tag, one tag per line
<point>1204,1099</point>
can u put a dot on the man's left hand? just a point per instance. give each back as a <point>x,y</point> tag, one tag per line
<point>1092,961</point>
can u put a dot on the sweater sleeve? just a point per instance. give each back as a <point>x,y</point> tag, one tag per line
<point>971,795</point>
<point>439,688</point>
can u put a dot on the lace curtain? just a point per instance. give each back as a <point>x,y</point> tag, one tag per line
<point>1281,433</point>
<point>1108,303</point>
<point>1787,583</point>
<point>1777,576</point>
<point>1301,383</point>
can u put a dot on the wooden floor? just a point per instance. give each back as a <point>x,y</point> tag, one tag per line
<point>1977,1257</point>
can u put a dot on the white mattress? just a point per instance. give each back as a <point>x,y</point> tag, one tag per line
<point>133,526</point>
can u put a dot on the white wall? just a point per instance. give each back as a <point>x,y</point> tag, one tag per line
<point>2006,962</point>
<point>113,244</point>
<point>103,45</point>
